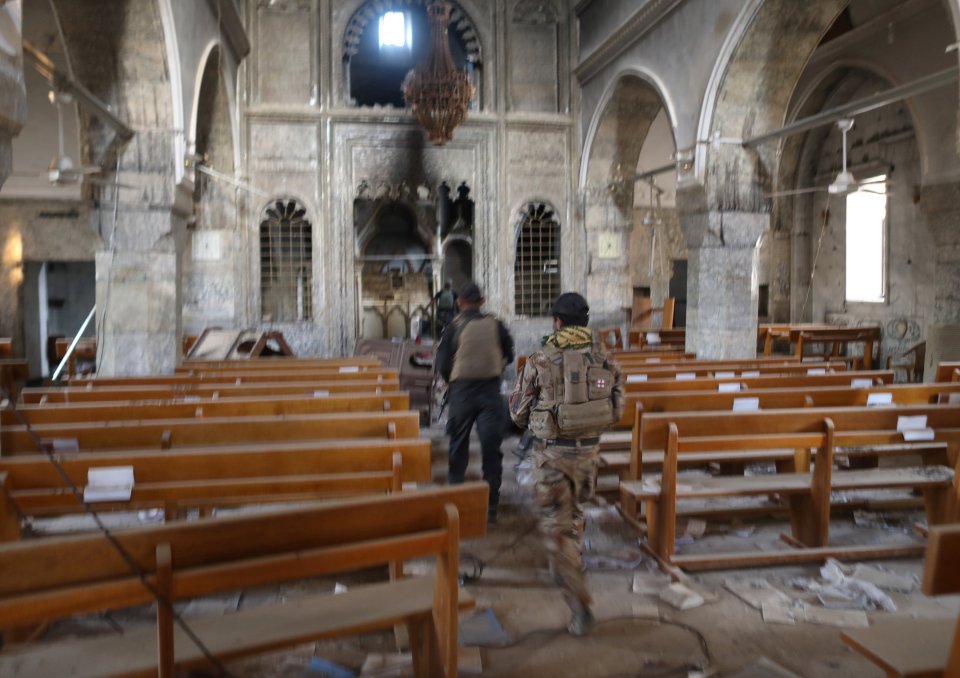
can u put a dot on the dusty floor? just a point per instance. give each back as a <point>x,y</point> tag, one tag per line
<point>635,635</point>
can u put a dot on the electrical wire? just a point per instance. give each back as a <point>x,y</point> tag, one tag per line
<point>813,269</point>
<point>47,450</point>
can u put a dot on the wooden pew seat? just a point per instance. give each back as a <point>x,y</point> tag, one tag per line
<point>47,579</point>
<point>918,649</point>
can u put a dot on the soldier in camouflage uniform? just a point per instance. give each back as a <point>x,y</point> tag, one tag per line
<point>564,469</point>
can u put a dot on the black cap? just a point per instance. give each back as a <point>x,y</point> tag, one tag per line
<point>471,293</point>
<point>570,305</point>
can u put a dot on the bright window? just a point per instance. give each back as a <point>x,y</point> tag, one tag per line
<point>395,30</point>
<point>866,241</point>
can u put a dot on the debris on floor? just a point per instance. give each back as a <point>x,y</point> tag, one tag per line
<point>387,666</point>
<point>695,528</point>
<point>755,592</point>
<point>841,590</point>
<point>646,611</point>
<point>626,559</point>
<point>763,668</point>
<point>482,628</point>
<point>649,583</point>
<point>469,661</point>
<point>799,611</point>
<point>322,668</point>
<point>681,597</point>
<point>887,581</point>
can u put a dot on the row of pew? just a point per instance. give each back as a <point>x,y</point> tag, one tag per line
<point>331,443</point>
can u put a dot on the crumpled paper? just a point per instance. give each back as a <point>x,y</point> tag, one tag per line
<point>840,590</point>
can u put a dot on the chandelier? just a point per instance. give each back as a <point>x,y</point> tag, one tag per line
<point>438,91</point>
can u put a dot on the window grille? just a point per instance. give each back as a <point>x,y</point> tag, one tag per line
<point>286,263</point>
<point>537,265</point>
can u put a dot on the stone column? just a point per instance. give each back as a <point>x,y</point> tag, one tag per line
<point>139,292</point>
<point>941,204</point>
<point>722,282</point>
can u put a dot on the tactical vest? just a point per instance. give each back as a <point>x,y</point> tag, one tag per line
<point>478,353</point>
<point>576,395</point>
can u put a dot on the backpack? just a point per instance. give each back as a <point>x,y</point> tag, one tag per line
<point>578,401</point>
<point>445,302</point>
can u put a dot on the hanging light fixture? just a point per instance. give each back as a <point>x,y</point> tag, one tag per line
<point>438,91</point>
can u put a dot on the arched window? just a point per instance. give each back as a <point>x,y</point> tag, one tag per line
<point>385,39</point>
<point>537,265</point>
<point>286,263</point>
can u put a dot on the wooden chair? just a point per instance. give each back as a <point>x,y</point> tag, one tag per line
<point>910,361</point>
<point>611,338</point>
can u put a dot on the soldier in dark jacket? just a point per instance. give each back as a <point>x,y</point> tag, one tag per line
<point>565,464</point>
<point>471,357</point>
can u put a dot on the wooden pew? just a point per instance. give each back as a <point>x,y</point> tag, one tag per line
<point>731,436</point>
<point>226,407</point>
<point>685,359</point>
<point>639,404</point>
<point>85,350</point>
<point>6,347</point>
<point>49,579</point>
<point>654,371</point>
<point>668,337</point>
<point>278,364</point>
<point>194,392</point>
<point>920,648</point>
<point>213,477</point>
<point>770,332</point>
<point>665,354</point>
<point>763,381</point>
<point>241,377</point>
<point>14,373</point>
<point>175,433</point>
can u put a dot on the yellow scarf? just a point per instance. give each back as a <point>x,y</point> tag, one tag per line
<point>570,336</point>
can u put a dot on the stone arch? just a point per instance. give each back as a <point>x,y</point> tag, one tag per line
<point>779,36</point>
<point>213,95</point>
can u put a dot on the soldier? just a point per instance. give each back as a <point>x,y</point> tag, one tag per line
<point>567,394</point>
<point>471,358</point>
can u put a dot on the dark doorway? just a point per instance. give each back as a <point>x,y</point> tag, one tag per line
<point>678,290</point>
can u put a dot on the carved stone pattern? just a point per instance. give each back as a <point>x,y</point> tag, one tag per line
<point>536,12</point>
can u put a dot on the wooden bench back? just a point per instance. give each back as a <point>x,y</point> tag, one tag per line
<point>941,576</point>
<point>243,377</point>
<point>651,431</point>
<point>778,399</point>
<point>46,579</point>
<point>763,381</point>
<point>737,365</point>
<point>655,371</point>
<point>948,371</point>
<point>276,364</point>
<point>203,391</point>
<point>169,433</point>
<point>230,407</point>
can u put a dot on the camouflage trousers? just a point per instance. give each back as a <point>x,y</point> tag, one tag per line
<point>565,477</point>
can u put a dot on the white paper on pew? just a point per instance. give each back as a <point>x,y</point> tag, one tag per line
<point>817,370</point>
<point>953,399</point>
<point>732,387</point>
<point>686,376</point>
<point>918,434</point>
<point>724,375</point>
<point>65,445</point>
<point>653,361</point>
<point>861,383</point>
<point>349,369</point>
<point>636,378</point>
<point>653,338</point>
<point>911,423</point>
<point>878,399</point>
<point>746,404</point>
<point>750,373</point>
<point>109,483</point>
<point>321,394</point>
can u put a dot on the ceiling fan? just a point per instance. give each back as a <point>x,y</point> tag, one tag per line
<point>844,183</point>
<point>62,170</point>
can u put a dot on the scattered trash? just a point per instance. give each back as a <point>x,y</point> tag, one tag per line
<point>756,592</point>
<point>869,519</point>
<point>209,607</point>
<point>387,666</point>
<point>322,668</point>
<point>780,613</point>
<point>742,530</point>
<point>681,597</point>
<point>887,581</point>
<point>339,588</point>
<point>154,515</point>
<point>627,559</point>
<point>469,661</point>
<point>482,628</point>
<point>649,583</point>
<point>840,590</point>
